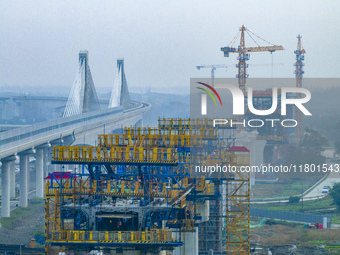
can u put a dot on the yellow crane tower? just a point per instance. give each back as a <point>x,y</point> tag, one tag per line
<point>244,51</point>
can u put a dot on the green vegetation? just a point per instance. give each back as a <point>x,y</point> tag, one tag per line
<point>326,117</point>
<point>316,242</point>
<point>319,236</point>
<point>308,206</point>
<point>294,200</point>
<point>313,140</point>
<point>39,231</point>
<point>337,147</point>
<point>335,194</point>
<point>284,223</point>
<point>336,219</point>
<point>292,233</point>
<point>19,212</point>
<point>308,152</point>
<point>284,187</point>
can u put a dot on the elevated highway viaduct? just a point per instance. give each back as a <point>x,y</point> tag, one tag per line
<point>37,141</point>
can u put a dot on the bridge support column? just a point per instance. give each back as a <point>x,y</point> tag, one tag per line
<point>46,164</point>
<point>51,168</point>
<point>175,235</point>
<point>39,173</point>
<point>260,144</point>
<point>23,179</point>
<point>5,191</point>
<point>190,240</point>
<point>28,174</point>
<point>12,179</point>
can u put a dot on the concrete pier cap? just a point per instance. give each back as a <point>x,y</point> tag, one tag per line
<point>39,171</point>
<point>256,147</point>
<point>24,175</point>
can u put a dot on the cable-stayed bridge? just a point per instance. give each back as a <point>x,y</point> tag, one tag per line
<point>81,122</point>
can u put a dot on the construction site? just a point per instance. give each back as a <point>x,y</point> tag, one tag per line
<point>139,192</point>
<point>169,128</point>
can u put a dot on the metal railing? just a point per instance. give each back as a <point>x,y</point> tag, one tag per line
<point>116,153</point>
<point>152,236</point>
<point>61,123</point>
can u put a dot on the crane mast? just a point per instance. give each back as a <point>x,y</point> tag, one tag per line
<point>300,57</point>
<point>242,66</point>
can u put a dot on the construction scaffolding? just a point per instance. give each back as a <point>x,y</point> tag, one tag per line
<point>140,191</point>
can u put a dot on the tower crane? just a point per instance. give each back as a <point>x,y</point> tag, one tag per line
<point>300,57</point>
<point>213,68</point>
<point>244,51</point>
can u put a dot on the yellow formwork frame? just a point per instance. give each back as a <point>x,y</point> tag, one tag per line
<point>156,140</point>
<point>159,145</point>
<point>238,212</point>
<point>115,154</point>
<point>76,236</point>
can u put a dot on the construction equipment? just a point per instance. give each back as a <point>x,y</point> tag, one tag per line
<point>213,68</point>
<point>244,51</point>
<point>140,191</point>
<point>300,57</point>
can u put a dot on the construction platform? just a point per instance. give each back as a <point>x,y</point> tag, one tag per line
<point>139,193</point>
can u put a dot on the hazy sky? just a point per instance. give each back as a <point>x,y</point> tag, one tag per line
<point>161,41</point>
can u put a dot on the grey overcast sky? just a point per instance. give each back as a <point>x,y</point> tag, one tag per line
<point>161,41</point>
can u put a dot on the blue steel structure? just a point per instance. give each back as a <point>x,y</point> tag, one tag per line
<point>133,190</point>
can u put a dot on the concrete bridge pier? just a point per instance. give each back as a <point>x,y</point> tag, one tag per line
<point>46,163</point>
<point>24,176</point>
<point>5,188</point>
<point>39,176</point>
<point>23,179</point>
<point>260,145</point>
<point>190,240</point>
<point>139,123</point>
<point>50,168</point>
<point>12,179</point>
<point>41,168</point>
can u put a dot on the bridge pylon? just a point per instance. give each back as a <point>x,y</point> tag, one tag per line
<point>83,96</point>
<point>120,92</point>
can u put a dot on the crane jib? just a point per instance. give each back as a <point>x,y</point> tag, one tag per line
<point>252,49</point>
